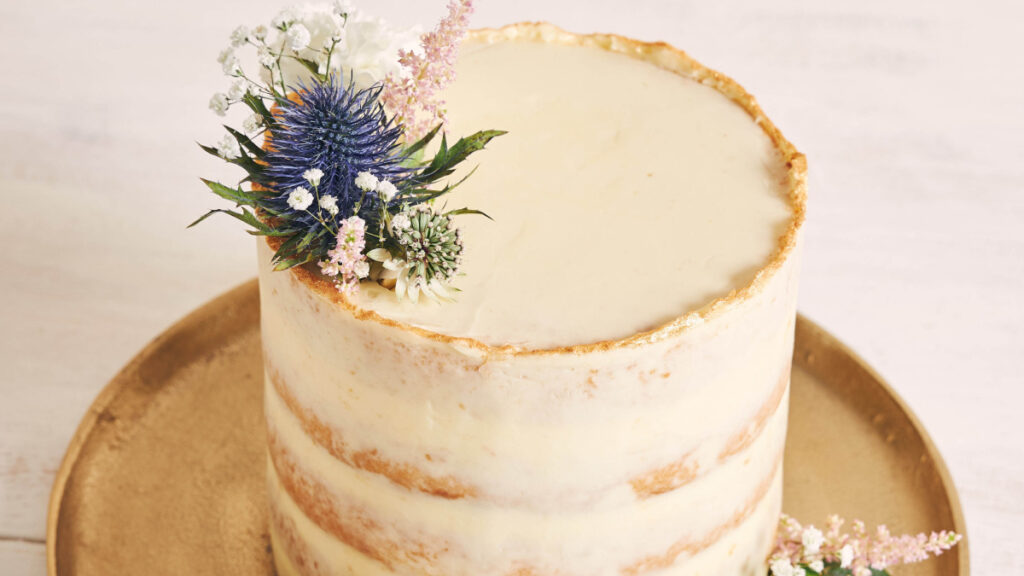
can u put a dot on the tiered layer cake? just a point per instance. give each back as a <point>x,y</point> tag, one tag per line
<point>609,394</point>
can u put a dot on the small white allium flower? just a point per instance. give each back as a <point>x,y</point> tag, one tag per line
<point>366,181</point>
<point>400,221</point>
<point>386,190</point>
<point>846,556</point>
<point>266,56</point>
<point>329,203</point>
<point>313,176</point>
<point>228,148</point>
<point>285,17</point>
<point>239,36</point>
<point>300,198</point>
<point>260,33</point>
<point>219,103</point>
<point>252,123</point>
<point>237,89</point>
<point>812,539</point>
<point>297,37</point>
<point>817,566</point>
<point>361,269</point>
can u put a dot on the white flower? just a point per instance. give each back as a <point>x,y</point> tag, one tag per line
<point>329,203</point>
<point>386,190</point>
<point>239,36</point>
<point>231,65</point>
<point>297,37</point>
<point>343,7</point>
<point>252,123</point>
<point>400,221</point>
<point>817,566</point>
<point>286,17</point>
<point>224,55</point>
<point>369,48</point>
<point>219,103</point>
<point>846,556</point>
<point>366,181</point>
<point>260,32</point>
<point>253,89</point>
<point>379,254</point>
<point>361,269</point>
<point>328,268</point>
<point>237,89</point>
<point>266,56</point>
<point>228,148</point>
<point>313,176</point>
<point>300,198</point>
<point>781,567</point>
<point>812,539</point>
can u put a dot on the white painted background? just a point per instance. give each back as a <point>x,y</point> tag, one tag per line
<point>910,112</point>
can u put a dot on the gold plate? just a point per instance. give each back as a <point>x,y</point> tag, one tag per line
<point>165,474</point>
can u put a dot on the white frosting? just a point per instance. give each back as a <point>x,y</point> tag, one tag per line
<point>549,447</point>
<point>623,196</point>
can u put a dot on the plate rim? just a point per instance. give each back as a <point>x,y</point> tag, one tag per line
<point>123,378</point>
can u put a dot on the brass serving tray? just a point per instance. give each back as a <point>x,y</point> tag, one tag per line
<point>165,474</point>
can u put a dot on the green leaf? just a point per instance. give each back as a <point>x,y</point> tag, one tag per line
<point>458,211</point>
<point>255,103</point>
<point>246,143</point>
<point>237,195</point>
<point>286,263</point>
<point>446,159</point>
<point>247,217</point>
<point>422,142</point>
<point>254,170</point>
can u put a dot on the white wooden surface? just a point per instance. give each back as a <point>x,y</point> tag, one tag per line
<point>910,112</point>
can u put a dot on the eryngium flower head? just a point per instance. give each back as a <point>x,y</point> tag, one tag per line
<point>339,131</point>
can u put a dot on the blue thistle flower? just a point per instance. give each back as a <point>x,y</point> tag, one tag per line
<point>341,131</point>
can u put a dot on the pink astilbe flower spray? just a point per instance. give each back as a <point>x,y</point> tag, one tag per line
<point>346,262</point>
<point>415,97</point>
<point>799,547</point>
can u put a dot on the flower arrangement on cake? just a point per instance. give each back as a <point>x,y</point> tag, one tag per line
<point>351,174</point>
<point>347,108</point>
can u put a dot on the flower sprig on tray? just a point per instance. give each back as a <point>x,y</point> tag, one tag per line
<point>807,551</point>
<point>348,108</point>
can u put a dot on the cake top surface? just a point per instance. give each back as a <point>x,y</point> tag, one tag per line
<point>624,196</point>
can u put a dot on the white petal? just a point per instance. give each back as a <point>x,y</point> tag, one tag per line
<point>414,292</point>
<point>401,285</point>
<point>379,254</point>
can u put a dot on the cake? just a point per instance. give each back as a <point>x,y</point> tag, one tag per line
<point>608,393</point>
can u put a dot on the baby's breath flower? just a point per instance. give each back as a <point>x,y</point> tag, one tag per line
<point>237,89</point>
<point>846,556</point>
<point>285,17</point>
<point>812,539</point>
<point>818,566</point>
<point>781,567</point>
<point>252,123</point>
<point>361,269</point>
<point>219,103</point>
<point>313,176</point>
<point>228,148</point>
<point>366,181</point>
<point>386,190</point>
<point>231,65</point>
<point>225,54</point>
<point>260,33</point>
<point>297,37</point>
<point>399,222</point>
<point>300,199</point>
<point>239,36</point>
<point>266,56</point>
<point>330,204</point>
